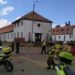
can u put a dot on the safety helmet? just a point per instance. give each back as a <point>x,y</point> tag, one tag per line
<point>6,50</point>
<point>66,57</point>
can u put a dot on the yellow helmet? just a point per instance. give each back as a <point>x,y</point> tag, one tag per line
<point>6,50</point>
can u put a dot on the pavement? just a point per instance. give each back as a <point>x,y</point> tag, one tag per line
<point>30,61</point>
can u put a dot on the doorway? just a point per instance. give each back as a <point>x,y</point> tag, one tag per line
<point>38,37</point>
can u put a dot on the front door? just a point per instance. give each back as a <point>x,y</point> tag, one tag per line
<point>37,37</point>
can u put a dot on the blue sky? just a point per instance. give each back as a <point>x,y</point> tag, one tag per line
<point>59,11</point>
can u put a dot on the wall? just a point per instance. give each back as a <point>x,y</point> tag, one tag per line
<point>67,37</point>
<point>73,34</point>
<point>26,28</point>
<point>7,36</point>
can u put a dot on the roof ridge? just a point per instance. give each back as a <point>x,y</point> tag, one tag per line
<point>37,17</point>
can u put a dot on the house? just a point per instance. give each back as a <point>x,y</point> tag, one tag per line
<point>6,33</point>
<point>32,27</point>
<point>74,33</point>
<point>64,33</point>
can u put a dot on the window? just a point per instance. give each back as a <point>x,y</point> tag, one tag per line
<point>21,34</point>
<point>18,35</point>
<point>38,25</point>
<point>47,36</point>
<point>54,38</point>
<point>18,24</point>
<point>21,23</point>
<point>59,37</point>
<point>8,35</point>
<point>11,35</point>
<point>15,26</point>
<point>4,35</point>
<point>14,35</point>
<point>64,37</point>
<point>70,36</point>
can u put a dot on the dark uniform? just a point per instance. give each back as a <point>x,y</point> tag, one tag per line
<point>54,51</point>
<point>43,47</point>
<point>17,47</point>
<point>50,60</point>
<point>12,46</point>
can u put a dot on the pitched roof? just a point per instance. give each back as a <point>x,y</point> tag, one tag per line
<point>62,30</point>
<point>33,16</point>
<point>8,28</point>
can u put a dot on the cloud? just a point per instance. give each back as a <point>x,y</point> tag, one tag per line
<point>3,2</point>
<point>18,17</point>
<point>4,22</point>
<point>54,25</point>
<point>6,11</point>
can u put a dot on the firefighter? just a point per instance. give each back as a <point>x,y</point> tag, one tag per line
<point>65,60</point>
<point>50,60</point>
<point>52,56</point>
<point>66,47</point>
<point>58,48</point>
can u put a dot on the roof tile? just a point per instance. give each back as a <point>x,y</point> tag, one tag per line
<point>33,16</point>
<point>6,29</point>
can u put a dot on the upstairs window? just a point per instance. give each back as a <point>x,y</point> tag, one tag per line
<point>14,35</point>
<point>70,36</point>
<point>38,25</point>
<point>11,35</point>
<point>18,24</point>
<point>18,35</point>
<point>21,23</point>
<point>15,26</point>
<point>21,34</point>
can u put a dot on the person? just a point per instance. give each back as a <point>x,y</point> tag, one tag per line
<point>63,67</point>
<point>43,47</point>
<point>58,48</point>
<point>17,47</point>
<point>12,46</point>
<point>50,60</point>
<point>66,47</point>
<point>57,45</point>
<point>53,53</point>
<point>66,57</point>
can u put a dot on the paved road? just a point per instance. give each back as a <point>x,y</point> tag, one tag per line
<point>24,66</point>
<point>29,62</point>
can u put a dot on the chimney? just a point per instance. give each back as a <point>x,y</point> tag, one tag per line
<point>67,23</point>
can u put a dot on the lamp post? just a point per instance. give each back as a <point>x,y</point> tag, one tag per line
<point>33,20</point>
